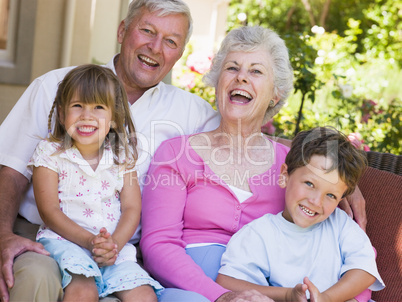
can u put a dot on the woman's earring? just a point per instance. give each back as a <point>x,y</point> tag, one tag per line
<point>271,103</point>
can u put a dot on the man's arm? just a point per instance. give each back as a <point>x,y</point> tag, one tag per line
<point>12,187</point>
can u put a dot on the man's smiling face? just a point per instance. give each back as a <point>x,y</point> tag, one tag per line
<point>150,46</point>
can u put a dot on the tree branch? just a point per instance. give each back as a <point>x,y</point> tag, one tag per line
<point>289,16</point>
<point>324,13</point>
<point>307,6</point>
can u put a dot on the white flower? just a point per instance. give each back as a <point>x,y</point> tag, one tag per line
<point>242,17</point>
<point>350,72</point>
<point>319,60</point>
<point>318,30</point>
<point>346,90</point>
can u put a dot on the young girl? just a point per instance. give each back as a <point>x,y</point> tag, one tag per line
<point>87,192</point>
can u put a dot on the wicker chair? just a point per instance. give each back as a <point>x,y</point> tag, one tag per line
<point>381,186</point>
<point>385,161</point>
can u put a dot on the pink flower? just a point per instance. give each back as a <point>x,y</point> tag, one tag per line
<point>82,180</point>
<point>366,117</point>
<point>63,174</point>
<point>110,217</point>
<point>268,128</point>
<point>199,61</point>
<point>366,148</point>
<point>105,185</point>
<point>356,139</point>
<point>368,109</point>
<point>88,213</point>
<point>187,80</point>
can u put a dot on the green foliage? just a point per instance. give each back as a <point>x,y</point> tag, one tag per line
<point>356,59</point>
<point>302,58</point>
<point>383,37</point>
<point>348,76</point>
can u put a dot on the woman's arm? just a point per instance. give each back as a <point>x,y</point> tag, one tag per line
<point>163,207</point>
<point>275,293</point>
<point>45,184</point>
<point>248,295</point>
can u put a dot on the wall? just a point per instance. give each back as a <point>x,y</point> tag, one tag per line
<point>72,32</point>
<point>209,18</point>
<point>65,37</point>
<point>46,51</point>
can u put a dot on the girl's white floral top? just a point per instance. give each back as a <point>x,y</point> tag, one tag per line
<point>88,197</point>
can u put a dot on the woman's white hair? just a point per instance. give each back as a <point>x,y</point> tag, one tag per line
<point>249,39</point>
<point>163,7</point>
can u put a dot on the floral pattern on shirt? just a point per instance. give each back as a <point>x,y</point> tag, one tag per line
<point>90,198</point>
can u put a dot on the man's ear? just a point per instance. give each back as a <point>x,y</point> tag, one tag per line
<point>283,177</point>
<point>121,31</point>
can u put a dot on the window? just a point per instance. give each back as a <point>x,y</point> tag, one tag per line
<point>17,27</point>
<point>4,11</point>
<point>7,30</point>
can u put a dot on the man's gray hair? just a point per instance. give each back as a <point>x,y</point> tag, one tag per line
<point>249,39</point>
<point>163,7</point>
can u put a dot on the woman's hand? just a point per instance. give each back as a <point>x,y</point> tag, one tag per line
<point>244,296</point>
<point>104,249</point>
<point>355,206</point>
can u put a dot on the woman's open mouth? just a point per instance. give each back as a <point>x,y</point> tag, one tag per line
<point>240,97</point>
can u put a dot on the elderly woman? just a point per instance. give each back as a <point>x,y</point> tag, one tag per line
<point>203,188</point>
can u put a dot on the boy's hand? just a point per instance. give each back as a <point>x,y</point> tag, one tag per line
<point>104,249</point>
<point>315,295</point>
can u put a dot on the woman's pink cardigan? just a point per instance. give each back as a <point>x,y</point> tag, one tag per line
<point>185,202</point>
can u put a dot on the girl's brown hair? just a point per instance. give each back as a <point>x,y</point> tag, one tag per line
<point>95,84</point>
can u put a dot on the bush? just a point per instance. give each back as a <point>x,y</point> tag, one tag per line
<point>338,82</point>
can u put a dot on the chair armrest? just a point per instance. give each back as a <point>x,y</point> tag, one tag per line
<point>385,162</point>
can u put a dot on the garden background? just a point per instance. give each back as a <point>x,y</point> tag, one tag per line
<point>347,59</point>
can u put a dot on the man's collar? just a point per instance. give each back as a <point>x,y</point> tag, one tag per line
<point>111,63</point>
<point>152,93</point>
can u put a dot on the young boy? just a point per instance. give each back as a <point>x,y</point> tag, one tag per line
<point>311,241</point>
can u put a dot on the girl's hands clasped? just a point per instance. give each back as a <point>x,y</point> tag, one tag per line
<point>104,251</point>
